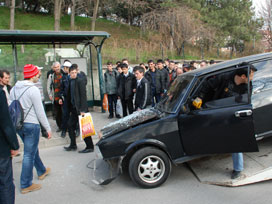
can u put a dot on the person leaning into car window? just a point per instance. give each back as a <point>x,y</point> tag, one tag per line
<point>223,86</point>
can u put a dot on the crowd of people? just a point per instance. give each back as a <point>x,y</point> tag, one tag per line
<point>141,86</point>
<point>137,88</point>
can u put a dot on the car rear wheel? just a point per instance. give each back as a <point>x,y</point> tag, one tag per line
<point>149,167</point>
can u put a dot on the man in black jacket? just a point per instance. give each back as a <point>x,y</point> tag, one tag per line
<point>125,89</point>
<point>156,82</point>
<point>142,99</point>
<point>4,83</point>
<point>8,148</point>
<point>77,105</point>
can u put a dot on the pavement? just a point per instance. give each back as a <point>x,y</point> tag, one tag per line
<point>100,120</point>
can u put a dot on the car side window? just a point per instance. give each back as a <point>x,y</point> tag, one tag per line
<point>223,89</point>
<point>262,80</point>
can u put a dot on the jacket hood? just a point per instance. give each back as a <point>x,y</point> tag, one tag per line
<point>23,84</point>
<point>129,121</point>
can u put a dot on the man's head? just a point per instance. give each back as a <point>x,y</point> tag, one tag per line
<point>160,64</point>
<point>171,65</point>
<point>203,63</point>
<point>73,71</point>
<point>119,69</point>
<point>109,66</point>
<point>212,62</point>
<point>66,65</point>
<point>142,65</point>
<point>125,61</point>
<point>124,68</point>
<point>151,65</point>
<point>193,64</point>
<point>56,67</point>
<point>139,72</point>
<point>166,62</point>
<point>179,71</point>
<point>4,77</point>
<point>31,73</point>
<point>243,73</point>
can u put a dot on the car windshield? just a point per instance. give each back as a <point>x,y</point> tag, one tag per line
<point>175,93</point>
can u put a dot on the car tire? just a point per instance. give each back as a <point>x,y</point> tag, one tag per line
<point>149,167</point>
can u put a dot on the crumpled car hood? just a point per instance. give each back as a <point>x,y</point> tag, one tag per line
<point>129,121</point>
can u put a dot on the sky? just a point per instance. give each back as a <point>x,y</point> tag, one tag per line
<point>257,4</point>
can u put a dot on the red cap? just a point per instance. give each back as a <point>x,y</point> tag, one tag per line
<point>30,71</point>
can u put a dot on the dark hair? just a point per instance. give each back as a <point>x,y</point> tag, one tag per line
<point>172,62</point>
<point>192,62</point>
<point>160,61</point>
<point>2,73</point>
<point>244,70</point>
<point>118,62</point>
<point>125,59</point>
<point>212,61</point>
<point>123,65</point>
<point>138,68</point>
<point>150,61</point>
<point>141,64</point>
<point>109,63</point>
<point>204,61</point>
<point>66,61</point>
<point>118,66</point>
<point>73,67</point>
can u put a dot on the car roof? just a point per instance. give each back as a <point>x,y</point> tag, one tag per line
<point>229,63</point>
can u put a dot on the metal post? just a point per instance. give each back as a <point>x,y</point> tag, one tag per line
<point>101,82</point>
<point>91,69</point>
<point>15,60</point>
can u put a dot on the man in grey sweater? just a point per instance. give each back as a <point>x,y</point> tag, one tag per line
<point>34,114</point>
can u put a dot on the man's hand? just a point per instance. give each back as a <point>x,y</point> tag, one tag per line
<point>14,152</point>
<point>82,113</point>
<point>51,98</point>
<point>49,134</point>
<point>60,101</point>
<point>134,90</point>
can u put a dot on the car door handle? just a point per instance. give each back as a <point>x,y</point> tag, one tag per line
<point>243,113</point>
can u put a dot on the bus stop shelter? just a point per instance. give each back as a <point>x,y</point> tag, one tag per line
<point>55,43</point>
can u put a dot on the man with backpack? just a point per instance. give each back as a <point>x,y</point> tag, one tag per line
<point>30,100</point>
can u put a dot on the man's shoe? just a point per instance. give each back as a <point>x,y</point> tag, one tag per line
<point>33,187</point>
<point>235,174</point>
<point>110,117</point>
<point>58,130</point>
<point>70,148</point>
<point>86,150</point>
<point>118,116</point>
<point>63,134</point>
<point>45,173</point>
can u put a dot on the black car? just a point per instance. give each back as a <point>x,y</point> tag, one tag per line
<point>148,142</point>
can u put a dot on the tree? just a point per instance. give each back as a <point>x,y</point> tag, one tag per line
<point>96,4</point>
<point>73,8</point>
<point>12,15</point>
<point>266,14</point>
<point>57,14</point>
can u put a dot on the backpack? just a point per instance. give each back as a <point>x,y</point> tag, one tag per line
<point>16,111</point>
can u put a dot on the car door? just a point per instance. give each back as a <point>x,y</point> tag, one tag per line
<point>221,126</point>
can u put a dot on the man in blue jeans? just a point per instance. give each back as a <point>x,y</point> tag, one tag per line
<point>34,114</point>
<point>8,148</point>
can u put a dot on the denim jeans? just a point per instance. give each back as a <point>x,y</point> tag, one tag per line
<point>238,162</point>
<point>30,134</point>
<point>7,189</point>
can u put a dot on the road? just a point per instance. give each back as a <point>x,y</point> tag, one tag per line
<point>70,183</point>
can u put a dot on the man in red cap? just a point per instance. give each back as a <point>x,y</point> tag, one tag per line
<point>30,99</point>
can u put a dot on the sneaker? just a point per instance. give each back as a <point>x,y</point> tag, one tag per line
<point>58,130</point>
<point>86,150</point>
<point>235,174</point>
<point>45,173</point>
<point>118,116</point>
<point>33,187</point>
<point>110,117</point>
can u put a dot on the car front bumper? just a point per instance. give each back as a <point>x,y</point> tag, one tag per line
<point>105,170</point>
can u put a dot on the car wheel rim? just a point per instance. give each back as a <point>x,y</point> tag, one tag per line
<point>151,169</point>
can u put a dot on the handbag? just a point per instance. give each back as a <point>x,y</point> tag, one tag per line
<point>119,108</point>
<point>86,126</point>
<point>105,102</point>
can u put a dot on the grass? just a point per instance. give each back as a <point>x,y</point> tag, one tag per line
<point>125,41</point>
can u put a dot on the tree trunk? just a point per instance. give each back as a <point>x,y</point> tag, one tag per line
<point>96,4</point>
<point>73,14</point>
<point>57,14</point>
<point>12,15</point>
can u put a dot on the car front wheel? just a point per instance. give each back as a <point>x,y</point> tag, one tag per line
<point>149,167</point>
